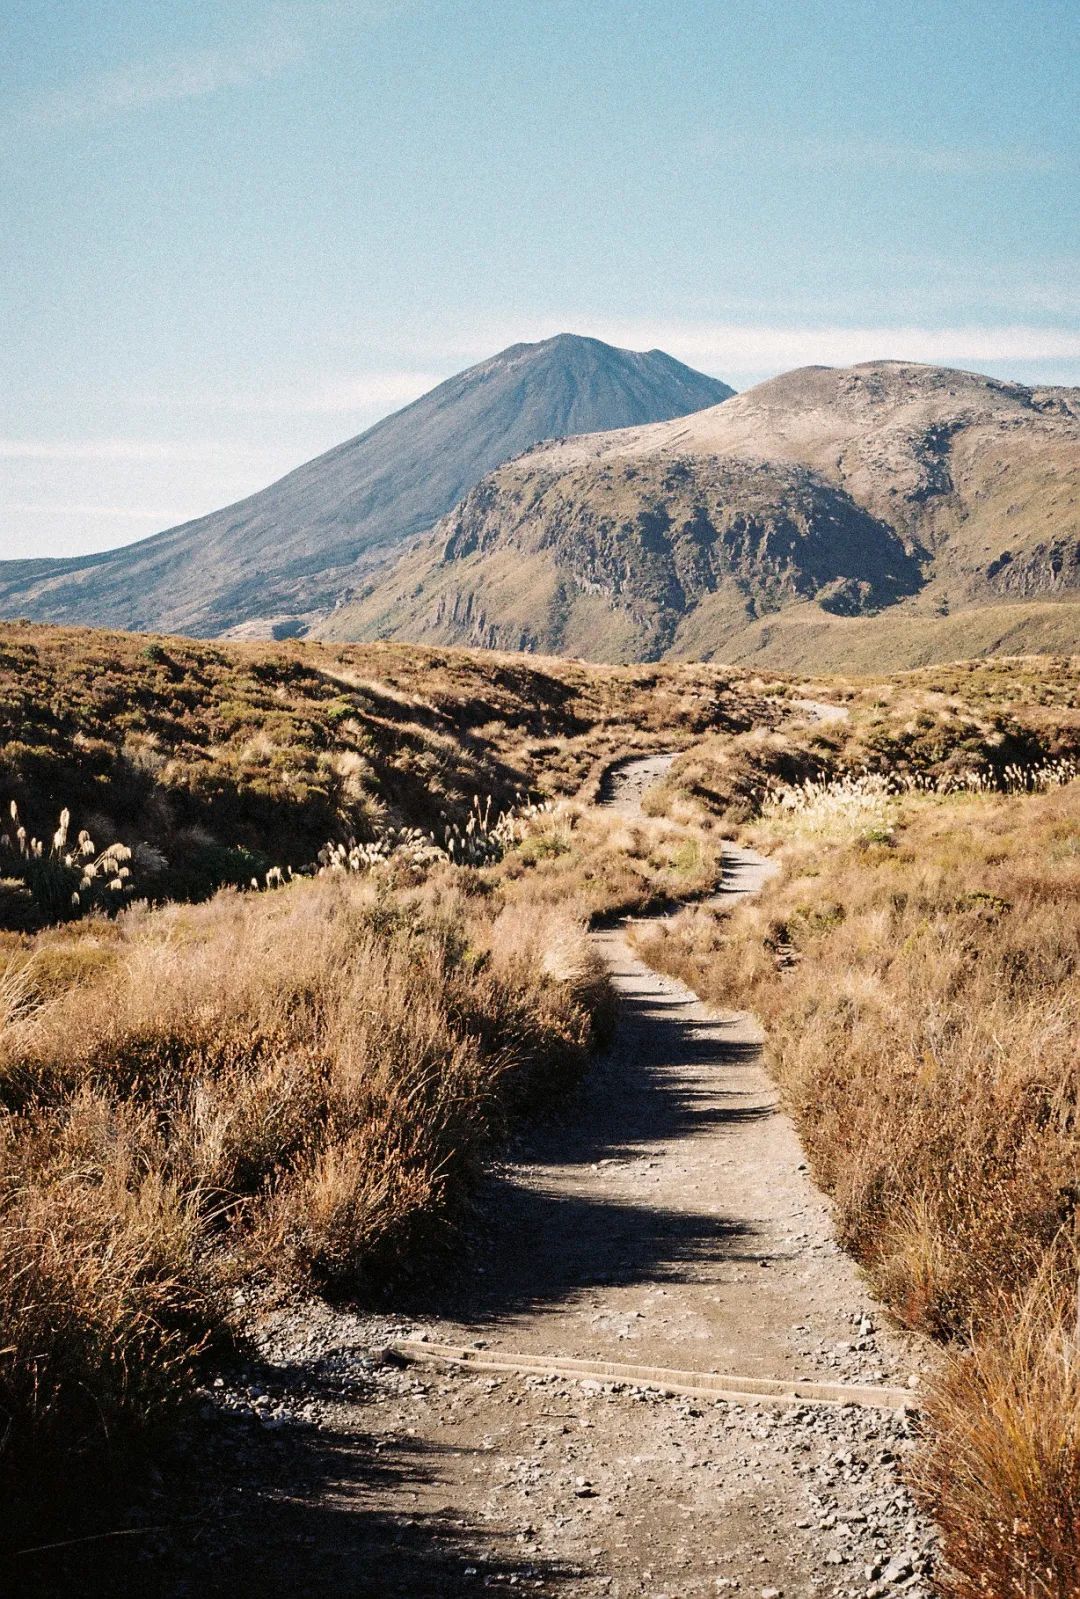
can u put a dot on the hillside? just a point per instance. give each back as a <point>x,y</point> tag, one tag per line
<point>912,494</point>
<point>226,759</point>
<point>276,561</point>
<point>217,1120</point>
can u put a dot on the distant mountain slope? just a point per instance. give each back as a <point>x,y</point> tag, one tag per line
<point>887,489</point>
<point>282,557</point>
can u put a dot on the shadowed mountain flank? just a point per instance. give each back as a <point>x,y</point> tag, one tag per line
<point>275,562</point>
<point>904,493</point>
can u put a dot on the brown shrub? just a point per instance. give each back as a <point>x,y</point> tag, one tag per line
<point>302,1084</point>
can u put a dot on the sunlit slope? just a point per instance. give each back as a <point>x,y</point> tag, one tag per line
<point>280,560</point>
<point>767,527</point>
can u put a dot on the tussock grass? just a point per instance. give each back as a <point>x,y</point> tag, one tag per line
<point>982,724</point>
<point>104,1296</point>
<point>1001,1468</point>
<point>921,990</point>
<point>607,866</point>
<point>224,760</point>
<point>296,1087</point>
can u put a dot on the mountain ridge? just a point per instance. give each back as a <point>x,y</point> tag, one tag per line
<point>889,488</point>
<point>277,559</point>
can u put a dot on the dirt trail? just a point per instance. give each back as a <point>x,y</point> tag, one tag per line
<point>671,1222</point>
<point>823,710</point>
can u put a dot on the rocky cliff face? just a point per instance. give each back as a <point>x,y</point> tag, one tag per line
<point>277,562</point>
<point>882,489</point>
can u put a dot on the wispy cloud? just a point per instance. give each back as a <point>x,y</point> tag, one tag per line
<point>767,346</point>
<point>818,154</point>
<point>153,451</point>
<point>377,391</point>
<point>744,344</point>
<point>290,30</point>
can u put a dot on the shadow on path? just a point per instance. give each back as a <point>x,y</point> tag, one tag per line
<point>244,1516</point>
<point>544,1237</point>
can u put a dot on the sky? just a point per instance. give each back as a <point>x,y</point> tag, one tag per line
<point>237,232</point>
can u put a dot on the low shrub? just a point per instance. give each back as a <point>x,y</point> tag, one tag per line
<point>300,1086</point>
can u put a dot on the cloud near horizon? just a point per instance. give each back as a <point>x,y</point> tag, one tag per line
<point>722,348</point>
<point>379,390</point>
<point>769,348</point>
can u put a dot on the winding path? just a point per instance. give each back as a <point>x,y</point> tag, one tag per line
<point>670,1221</point>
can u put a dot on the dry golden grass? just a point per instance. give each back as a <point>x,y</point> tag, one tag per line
<point>937,724</point>
<point>605,865</point>
<point>229,758</point>
<point>302,1085</point>
<point>299,1085</point>
<point>921,987</point>
<point>1001,1469</point>
<point>104,1295</point>
<point>719,782</point>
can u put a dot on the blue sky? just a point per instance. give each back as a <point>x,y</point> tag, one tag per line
<point>238,231</point>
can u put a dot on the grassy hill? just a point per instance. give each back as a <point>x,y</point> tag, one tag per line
<point>763,529</point>
<point>228,759</point>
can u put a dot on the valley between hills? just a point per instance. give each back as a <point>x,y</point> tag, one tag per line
<point>388,1027</point>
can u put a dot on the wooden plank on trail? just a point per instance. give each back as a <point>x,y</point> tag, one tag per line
<point>695,1384</point>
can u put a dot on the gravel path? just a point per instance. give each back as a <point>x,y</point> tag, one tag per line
<point>669,1221</point>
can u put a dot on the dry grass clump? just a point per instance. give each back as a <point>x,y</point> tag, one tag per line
<point>296,1086</point>
<point>483,840</point>
<point>606,865</point>
<point>945,728</point>
<point>724,779</point>
<point>864,805</point>
<point>922,996</point>
<point>1001,1467</point>
<point>104,1296</point>
<point>67,879</point>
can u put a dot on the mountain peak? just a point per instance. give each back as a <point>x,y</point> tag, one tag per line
<point>281,559</point>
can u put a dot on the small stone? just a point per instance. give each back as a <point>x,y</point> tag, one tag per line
<point>900,1566</point>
